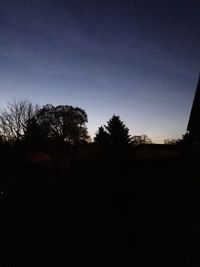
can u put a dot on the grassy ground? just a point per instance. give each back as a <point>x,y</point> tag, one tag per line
<point>111,213</point>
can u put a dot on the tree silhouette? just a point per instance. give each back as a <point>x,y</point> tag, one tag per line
<point>14,119</point>
<point>118,132</point>
<point>63,123</point>
<point>140,139</point>
<point>170,141</point>
<point>102,136</point>
<point>33,132</point>
<point>185,140</point>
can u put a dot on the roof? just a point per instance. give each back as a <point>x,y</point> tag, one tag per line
<point>193,124</point>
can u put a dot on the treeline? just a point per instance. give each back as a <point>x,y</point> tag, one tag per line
<point>27,123</point>
<point>24,121</point>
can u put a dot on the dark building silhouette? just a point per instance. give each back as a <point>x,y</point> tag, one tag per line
<point>194,120</point>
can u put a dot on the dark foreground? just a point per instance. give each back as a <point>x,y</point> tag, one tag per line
<point>112,213</point>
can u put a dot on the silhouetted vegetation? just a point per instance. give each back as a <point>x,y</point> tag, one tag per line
<point>105,202</point>
<point>14,119</point>
<point>63,123</point>
<point>140,139</point>
<point>102,136</point>
<point>114,133</point>
<point>23,121</point>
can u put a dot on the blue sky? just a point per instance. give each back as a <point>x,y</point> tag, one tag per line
<point>136,59</point>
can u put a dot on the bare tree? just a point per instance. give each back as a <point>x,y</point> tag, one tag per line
<point>14,118</point>
<point>140,139</point>
<point>170,141</point>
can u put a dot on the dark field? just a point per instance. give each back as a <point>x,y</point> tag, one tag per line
<point>114,211</point>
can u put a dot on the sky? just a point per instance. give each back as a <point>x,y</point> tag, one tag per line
<point>138,59</point>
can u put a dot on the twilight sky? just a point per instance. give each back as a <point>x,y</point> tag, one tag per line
<point>139,59</point>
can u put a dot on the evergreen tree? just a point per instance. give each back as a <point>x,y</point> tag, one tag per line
<point>102,136</point>
<point>118,132</point>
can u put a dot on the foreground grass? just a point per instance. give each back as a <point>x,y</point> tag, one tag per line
<point>124,213</point>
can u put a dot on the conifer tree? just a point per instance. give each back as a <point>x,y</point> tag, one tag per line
<point>118,132</point>
<point>102,136</point>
